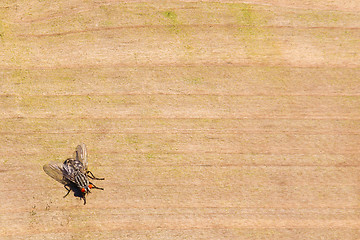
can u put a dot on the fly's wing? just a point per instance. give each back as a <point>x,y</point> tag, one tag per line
<point>80,155</point>
<point>69,169</point>
<point>56,171</point>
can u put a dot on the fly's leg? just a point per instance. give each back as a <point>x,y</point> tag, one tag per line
<point>68,189</point>
<point>95,187</point>
<point>91,175</point>
<point>84,199</point>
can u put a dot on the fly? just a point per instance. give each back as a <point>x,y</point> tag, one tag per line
<point>73,173</point>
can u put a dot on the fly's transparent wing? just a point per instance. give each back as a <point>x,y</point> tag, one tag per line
<point>81,155</point>
<point>56,171</point>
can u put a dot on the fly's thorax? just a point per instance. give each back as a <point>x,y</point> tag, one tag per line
<point>82,181</point>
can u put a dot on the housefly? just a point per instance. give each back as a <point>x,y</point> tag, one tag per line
<point>73,173</point>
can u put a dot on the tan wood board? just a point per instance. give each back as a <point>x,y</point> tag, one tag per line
<point>209,120</point>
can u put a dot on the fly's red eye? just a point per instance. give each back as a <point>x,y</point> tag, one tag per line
<point>83,190</point>
<point>90,186</point>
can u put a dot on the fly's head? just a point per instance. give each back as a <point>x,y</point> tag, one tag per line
<point>86,189</point>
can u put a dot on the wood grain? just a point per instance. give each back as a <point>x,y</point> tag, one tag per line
<point>209,120</point>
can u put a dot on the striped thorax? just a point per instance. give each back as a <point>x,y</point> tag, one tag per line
<point>82,182</point>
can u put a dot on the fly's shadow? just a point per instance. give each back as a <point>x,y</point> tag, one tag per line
<point>75,189</point>
<point>73,173</point>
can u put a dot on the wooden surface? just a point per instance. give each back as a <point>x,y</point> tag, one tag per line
<point>208,120</point>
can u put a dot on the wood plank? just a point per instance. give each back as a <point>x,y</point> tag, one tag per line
<point>181,80</point>
<point>182,106</point>
<point>209,120</point>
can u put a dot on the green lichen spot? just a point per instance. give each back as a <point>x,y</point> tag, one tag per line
<point>257,40</point>
<point>194,80</point>
<point>171,15</point>
<point>246,14</point>
<point>173,19</point>
<point>2,30</point>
